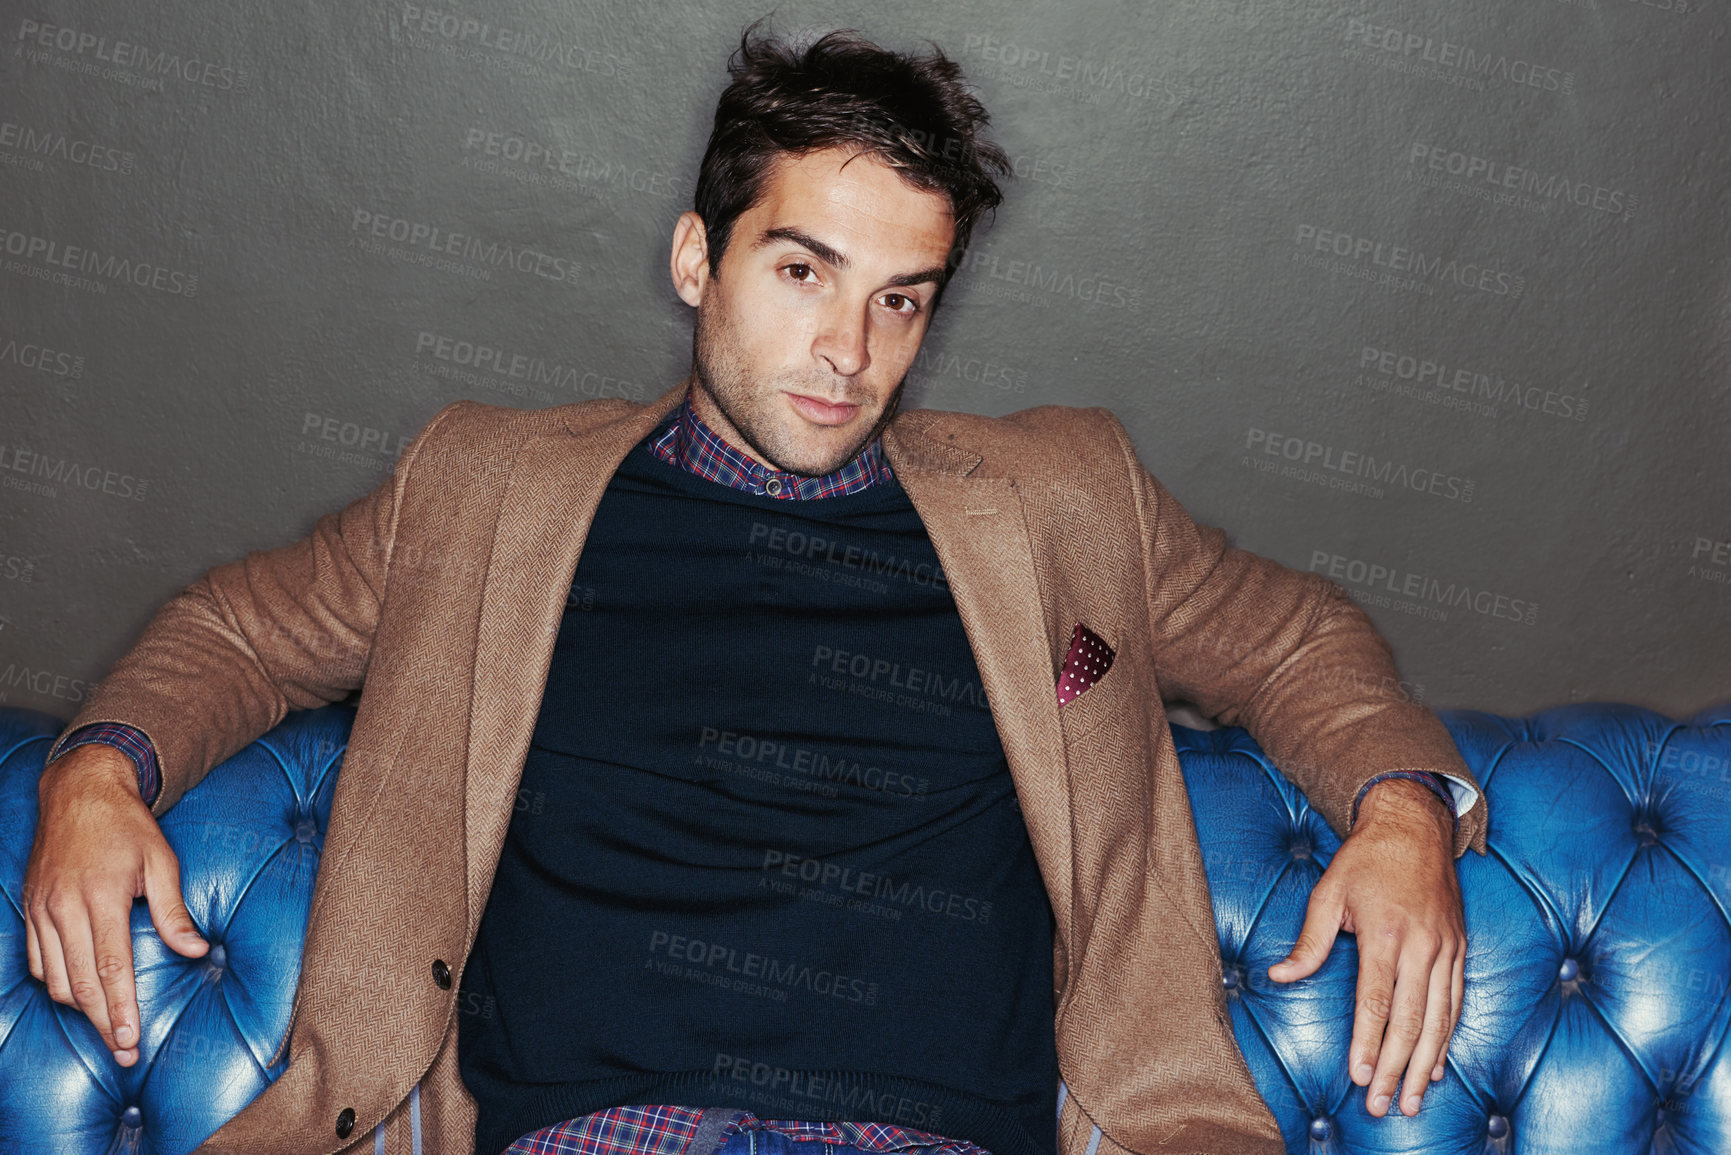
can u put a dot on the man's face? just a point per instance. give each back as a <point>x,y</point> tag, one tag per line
<point>821,300</point>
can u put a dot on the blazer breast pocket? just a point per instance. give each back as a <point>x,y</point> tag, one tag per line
<point>1094,684</point>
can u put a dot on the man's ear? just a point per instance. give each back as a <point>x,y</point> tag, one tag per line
<point>690,264</point>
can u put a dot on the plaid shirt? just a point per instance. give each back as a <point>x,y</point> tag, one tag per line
<point>672,1131</point>
<point>131,741</point>
<point>687,442</point>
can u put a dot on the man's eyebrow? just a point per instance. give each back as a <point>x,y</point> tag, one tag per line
<point>935,275</point>
<point>839,259</point>
<point>804,240</point>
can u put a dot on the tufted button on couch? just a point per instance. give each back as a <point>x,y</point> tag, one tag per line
<point>1596,1009</point>
<point>248,839</point>
<point>1596,1013</point>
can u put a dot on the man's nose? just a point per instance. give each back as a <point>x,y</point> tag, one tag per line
<point>841,340</point>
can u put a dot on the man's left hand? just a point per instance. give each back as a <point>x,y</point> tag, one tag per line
<point>1393,885</point>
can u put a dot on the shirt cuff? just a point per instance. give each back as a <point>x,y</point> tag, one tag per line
<point>1464,792</point>
<point>129,740</point>
<point>1450,790</point>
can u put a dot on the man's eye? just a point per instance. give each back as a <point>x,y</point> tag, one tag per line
<point>901,303</point>
<point>799,272</point>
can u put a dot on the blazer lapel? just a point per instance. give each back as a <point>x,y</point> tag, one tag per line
<point>549,501</point>
<point>977,526</point>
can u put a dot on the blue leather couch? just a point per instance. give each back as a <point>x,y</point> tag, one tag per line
<point>1596,1014</point>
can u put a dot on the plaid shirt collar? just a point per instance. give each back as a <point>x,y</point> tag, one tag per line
<point>693,446</point>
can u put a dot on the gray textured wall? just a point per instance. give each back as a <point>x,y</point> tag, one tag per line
<point>1432,297</point>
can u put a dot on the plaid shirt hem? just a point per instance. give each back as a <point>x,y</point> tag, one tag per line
<point>670,1130</point>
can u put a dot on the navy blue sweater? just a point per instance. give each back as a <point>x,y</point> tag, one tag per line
<point>766,852</point>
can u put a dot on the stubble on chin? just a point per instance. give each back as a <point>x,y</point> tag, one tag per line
<point>719,370</point>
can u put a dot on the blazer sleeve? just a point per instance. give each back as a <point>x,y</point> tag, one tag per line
<point>1287,655</point>
<point>290,628</point>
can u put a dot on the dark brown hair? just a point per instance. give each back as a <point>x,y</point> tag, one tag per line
<point>912,112</point>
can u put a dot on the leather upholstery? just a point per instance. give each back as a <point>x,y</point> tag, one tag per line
<point>1596,1009</point>
<point>249,841</point>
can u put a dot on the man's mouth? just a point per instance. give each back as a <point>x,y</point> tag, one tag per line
<point>821,412</point>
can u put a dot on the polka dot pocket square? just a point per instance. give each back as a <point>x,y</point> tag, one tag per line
<point>1086,663</point>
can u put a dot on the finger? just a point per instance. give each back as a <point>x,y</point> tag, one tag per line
<point>1322,918</point>
<point>32,948</point>
<point>53,961</point>
<point>80,958</point>
<point>1405,1024</point>
<point>111,934</point>
<point>167,908</point>
<point>1376,974</point>
<point>1457,1000</point>
<point>1426,1053</point>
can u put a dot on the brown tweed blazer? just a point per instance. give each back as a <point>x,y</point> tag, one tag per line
<point>442,592</point>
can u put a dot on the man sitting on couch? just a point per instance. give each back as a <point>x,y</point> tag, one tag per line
<point>764,727</point>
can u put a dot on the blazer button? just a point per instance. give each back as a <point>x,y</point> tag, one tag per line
<point>441,974</point>
<point>345,1122</point>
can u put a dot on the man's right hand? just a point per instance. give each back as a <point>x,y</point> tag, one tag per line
<point>97,848</point>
